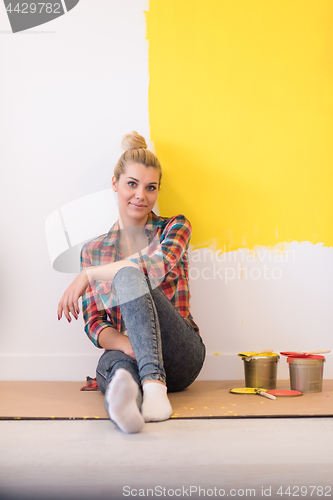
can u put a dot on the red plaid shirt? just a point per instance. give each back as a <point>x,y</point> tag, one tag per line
<point>166,263</point>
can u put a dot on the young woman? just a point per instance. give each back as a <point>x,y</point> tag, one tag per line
<point>134,283</point>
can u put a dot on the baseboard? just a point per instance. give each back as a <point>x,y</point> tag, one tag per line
<point>75,367</point>
<point>54,367</point>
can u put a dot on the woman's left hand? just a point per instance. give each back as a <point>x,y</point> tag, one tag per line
<point>70,300</point>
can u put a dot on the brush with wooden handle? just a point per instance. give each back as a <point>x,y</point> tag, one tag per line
<point>263,393</point>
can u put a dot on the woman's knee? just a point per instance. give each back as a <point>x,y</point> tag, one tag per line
<point>130,283</point>
<point>127,273</point>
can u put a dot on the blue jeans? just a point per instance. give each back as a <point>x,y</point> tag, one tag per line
<point>166,347</point>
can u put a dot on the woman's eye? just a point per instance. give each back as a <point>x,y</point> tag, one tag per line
<point>133,184</point>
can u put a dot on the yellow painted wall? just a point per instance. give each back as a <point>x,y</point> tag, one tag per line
<point>241,115</point>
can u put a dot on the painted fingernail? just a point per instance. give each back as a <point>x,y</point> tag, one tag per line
<point>58,316</point>
<point>69,320</point>
<point>77,312</point>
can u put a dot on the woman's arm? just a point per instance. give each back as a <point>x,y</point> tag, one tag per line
<point>95,317</point>
<point>161,261</point>
<point>159,257</point>
<point>106,272</point>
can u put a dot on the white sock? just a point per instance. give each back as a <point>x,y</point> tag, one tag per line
<point>156,405</point>
<point>121,397</point>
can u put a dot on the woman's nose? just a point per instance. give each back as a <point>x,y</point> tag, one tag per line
<point>139,194</point>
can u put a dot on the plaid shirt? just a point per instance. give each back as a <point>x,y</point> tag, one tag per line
<point>166,264</point>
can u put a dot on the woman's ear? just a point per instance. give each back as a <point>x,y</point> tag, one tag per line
<point>114,184</point>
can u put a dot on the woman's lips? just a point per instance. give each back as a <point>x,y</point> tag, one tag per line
<point>137,206</point>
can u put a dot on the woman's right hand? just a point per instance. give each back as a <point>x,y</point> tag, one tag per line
<point>129,351</point>
<point>112,340</point>
<point>127,345</point>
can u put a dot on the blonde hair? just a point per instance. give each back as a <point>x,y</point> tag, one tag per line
<point>136,151</point>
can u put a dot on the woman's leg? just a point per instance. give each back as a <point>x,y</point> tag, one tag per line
<point>109,362</point>
<point>141,320</point>
<point>167,349</point>
<point>117,377</point>
<point>182,347</point>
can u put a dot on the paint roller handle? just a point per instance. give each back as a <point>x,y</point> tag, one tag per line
<point>263,393</point>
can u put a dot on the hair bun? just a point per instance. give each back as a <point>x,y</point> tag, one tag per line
<point>133,141</point>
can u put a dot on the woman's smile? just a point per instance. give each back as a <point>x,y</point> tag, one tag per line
<point>138,206</point>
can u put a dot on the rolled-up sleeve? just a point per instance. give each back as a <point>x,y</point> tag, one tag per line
<point>94,314</point>
<point>166,251</point>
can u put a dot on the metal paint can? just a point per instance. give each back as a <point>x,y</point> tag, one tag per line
<point>260,371</point>
<point>306,374</point>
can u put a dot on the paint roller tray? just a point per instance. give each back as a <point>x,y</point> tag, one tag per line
<point>203,399</point>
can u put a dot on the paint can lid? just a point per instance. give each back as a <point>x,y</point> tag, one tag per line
<point>284,393</point>
<point>252,354</point>
<point>301,355</point>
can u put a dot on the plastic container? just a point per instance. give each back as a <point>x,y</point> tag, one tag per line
<point>306,374</point>
<point>260,371</point>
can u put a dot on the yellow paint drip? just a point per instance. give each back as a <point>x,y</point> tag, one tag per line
<point>240,111</point>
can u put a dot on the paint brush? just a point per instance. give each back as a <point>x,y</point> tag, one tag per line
<point>252,390</point>
<point>315,352</point>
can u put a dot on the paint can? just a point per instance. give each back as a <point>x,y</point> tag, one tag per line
<point>261,370</point>
<point>306,373</point>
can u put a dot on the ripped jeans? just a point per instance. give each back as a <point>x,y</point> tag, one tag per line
<point>166,347</point>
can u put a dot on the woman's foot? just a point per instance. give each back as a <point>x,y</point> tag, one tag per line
<point>122,407</point>
<point>156,405</point>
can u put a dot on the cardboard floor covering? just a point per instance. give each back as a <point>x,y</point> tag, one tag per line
<point>203,399</point>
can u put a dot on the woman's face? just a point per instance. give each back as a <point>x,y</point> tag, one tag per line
<point>137,190</point>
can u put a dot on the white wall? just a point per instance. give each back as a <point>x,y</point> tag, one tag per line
<point>269,299</point>
<point>70,89</point>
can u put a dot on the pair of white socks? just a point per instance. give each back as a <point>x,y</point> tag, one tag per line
<point>121,397</point>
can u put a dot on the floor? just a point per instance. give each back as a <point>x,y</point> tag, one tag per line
<point>257,458</point>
